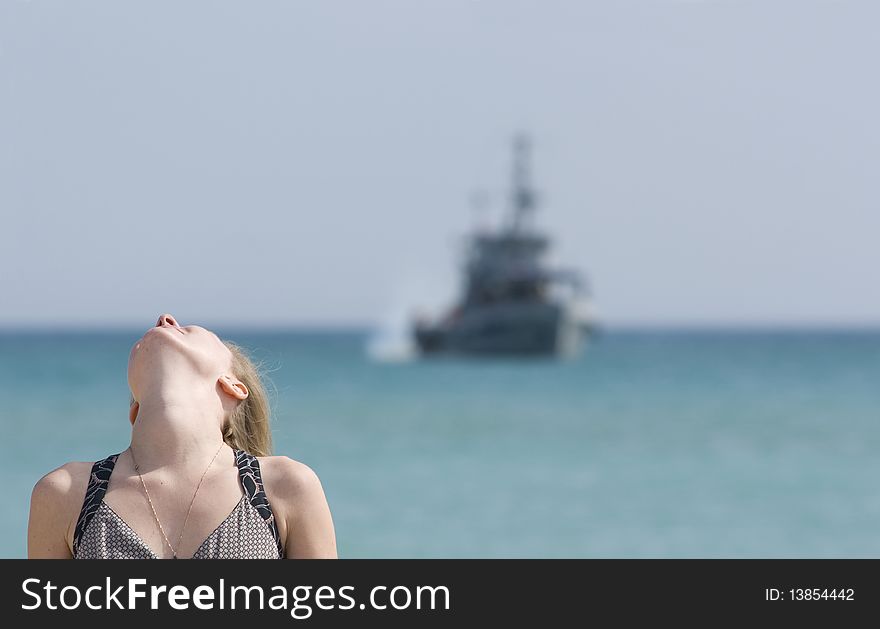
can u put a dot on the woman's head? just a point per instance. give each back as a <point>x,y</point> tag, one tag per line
<point>170,361</point>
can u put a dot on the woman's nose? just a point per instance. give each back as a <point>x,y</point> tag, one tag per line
<point>167,319</point>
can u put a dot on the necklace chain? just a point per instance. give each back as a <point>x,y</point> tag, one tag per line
<point>191,502</point>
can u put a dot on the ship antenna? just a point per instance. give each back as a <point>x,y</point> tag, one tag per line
<point>523,196</point>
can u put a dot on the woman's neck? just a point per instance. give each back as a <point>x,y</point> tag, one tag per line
<point>176,431</point>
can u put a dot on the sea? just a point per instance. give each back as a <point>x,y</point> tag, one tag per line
<point>652,443</point>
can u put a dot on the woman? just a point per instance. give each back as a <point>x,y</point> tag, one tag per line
<point>197,480</point>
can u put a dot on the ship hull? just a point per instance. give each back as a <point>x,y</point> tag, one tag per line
<point>520,329</point>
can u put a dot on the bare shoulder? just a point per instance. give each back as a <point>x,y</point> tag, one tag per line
<point>306,523</point>
<point>288,477</point>
<point>55,505</point>
<point>63,484</point>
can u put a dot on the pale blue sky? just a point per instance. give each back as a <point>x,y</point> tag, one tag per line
<point>312,162</point>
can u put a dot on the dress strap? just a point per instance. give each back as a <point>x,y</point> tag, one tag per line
<point>99,479</point>
<point>252,481</point>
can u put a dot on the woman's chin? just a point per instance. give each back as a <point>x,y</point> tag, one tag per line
<point>157,337</point>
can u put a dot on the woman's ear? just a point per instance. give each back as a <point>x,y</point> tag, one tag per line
<point>133,412</point>
<point>234,387</point>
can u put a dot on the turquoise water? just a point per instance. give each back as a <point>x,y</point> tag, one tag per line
<point>698,444</point>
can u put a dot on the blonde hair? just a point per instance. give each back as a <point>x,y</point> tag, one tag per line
<point>247,426</point>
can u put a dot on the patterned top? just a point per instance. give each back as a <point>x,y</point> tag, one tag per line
<point>248,532</point>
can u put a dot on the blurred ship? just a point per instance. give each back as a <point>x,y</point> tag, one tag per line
<point>511,302</point>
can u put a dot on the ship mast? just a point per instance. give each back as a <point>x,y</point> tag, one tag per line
<point>523,196</point>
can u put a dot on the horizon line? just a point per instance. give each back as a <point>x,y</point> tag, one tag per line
<point>365,327</point>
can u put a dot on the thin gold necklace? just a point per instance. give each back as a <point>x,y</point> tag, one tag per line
<point>191,502</point>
